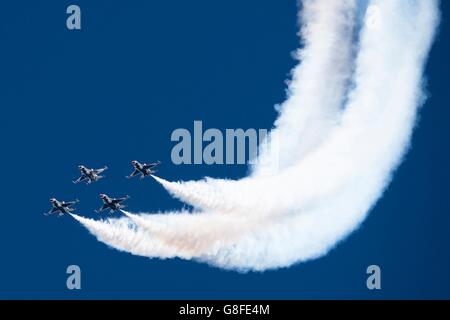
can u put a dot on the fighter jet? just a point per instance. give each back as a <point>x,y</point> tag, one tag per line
<point>112,203</point>
<point>61,207</point>
<point>90,175</point>
<point>143,169</point>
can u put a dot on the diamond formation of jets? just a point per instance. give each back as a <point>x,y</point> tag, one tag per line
<point>143,169</point>
<point>93,175</point>
<point>61,207</point>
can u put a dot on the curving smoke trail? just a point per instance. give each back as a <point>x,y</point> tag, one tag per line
<point>122,235</point>
<point>328,182</point>
<point>318,87</point>
<point>316,96</point>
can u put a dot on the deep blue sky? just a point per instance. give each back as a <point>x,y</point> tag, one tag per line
<point>115,90</point>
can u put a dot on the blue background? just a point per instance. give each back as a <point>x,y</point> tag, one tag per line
<point>115,91</point>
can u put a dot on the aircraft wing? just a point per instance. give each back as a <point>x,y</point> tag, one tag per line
<point>119,200</point>
<point>54,210</point>
<point>82,178</point>
<point>134,173</point>
<point>103,208</point>
<point>70,203</point>
<point>151,165</point>
<point>98,171</point>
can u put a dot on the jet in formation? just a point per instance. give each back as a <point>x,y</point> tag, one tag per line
<point>90,175</point>
<point>61,207</point>
<point>113,204</point>
<point>143,169</point>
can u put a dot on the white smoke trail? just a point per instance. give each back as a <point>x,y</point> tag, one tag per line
<point>313,177</point>
<point>153,239</point>
<point>122,235</point>
<point>318,87</point>
<point>316,96</point>
<point>196,234</point>
<point>322,194</point>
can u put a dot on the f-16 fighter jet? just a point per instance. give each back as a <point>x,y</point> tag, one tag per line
<point>61,207</point>
<point>112,204</point>
<point>90,175</point>
<point>143,169</point>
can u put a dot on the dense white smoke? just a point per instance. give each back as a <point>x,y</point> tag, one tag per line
<point>342,132</point>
